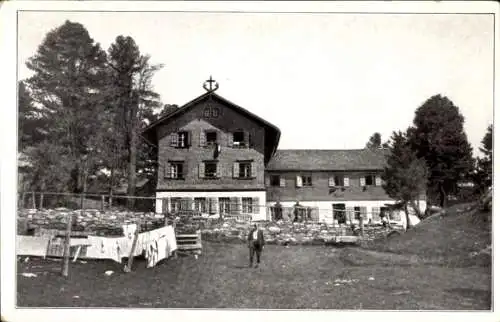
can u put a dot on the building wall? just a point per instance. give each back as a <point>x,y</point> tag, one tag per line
<point>320,190</point>
<point>260,214</point>
<point>194,122</point>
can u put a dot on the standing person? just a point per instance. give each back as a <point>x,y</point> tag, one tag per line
<point>255,244</point>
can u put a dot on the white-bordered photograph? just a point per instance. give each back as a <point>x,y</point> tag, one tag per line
<point>249,157</point>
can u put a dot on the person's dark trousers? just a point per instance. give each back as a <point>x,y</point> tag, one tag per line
<point>255,249</point>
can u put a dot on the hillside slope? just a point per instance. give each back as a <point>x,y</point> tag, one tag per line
<point>460,235</point>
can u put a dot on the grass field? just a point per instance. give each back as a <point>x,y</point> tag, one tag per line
<point>295,277</point>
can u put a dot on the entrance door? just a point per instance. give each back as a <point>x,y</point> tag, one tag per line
<point>339,212</point>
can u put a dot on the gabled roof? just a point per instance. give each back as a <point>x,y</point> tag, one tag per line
<point>272,132</point>
<point>328,160</point>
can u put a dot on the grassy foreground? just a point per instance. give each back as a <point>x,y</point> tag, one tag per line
<point>396,275</point>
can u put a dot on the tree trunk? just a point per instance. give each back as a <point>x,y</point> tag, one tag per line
<point>442,196</point>
<point>407,214</point>
<point>132,165</point>
<point>112,178</point>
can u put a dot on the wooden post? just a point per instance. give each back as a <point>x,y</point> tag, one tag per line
<point>41,201</point>
<point>362,225</point>
<point>128,268</point>
<point>110,199</point>
<point>33,197</point>
<point>67,244</point>
<point>102,202</point>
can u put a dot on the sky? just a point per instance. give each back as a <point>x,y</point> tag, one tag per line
<point>328,81</point>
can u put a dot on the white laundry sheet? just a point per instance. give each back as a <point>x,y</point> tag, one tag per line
<point>32,246</point>
<point>155,245</point>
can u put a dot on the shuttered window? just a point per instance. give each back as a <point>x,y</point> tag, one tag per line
<point>180,139</point>
<point>346,182</point>
<point>247,205</point>
<point>331,182</point>
<point>200,205</point>
<point>362,182</point>
<point>224,205</point>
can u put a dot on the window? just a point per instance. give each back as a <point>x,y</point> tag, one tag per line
<point>306,181</point>
<point>180,139</point>
<point>239,138</point>
<point>211,112</point>
<point>175,204</point>
<point>369,180</point>
<point>200,205</point>
<point>245,170</point>
<point>224,205</point>
<point>357,213</point>
<point>211,137</point>
<point>174,170</point>
<point>339,181</point>
<point>275,181</point>
<point>247,205</point>
<point>210,169</point>
<point>339,213</point>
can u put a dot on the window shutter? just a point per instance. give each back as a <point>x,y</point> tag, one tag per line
<point>230,139</point>
<point>346,181</point>
<point>267,181</point>
<point>364,214</point>
<point>167,171</point>
<point>203,138</point>
<point>238,205</point>
<point>299,181</point>
<point>350,213</point>
<point>375,213</point>
<point>236,169</point>
<point>184,168</point>
<point>378,181</point>
<point>217,170</point>
<point>250,140</point>
<point>233,206</point>
<point>246,138</point>
<point>174,139</point>
<point>255,202</point>
<point>201,170</point>
<point>190,203</point>
<point>164,205</point>
<point>362,181</point>
<point>331,182</point>
<point>282,182</point>
<point>253,172</point>
<point>212,205</point>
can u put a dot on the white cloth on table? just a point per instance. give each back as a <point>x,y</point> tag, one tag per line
<point>32,246</point>
<point>106,248</point>
<point>155,245</point>
<point>160,244</point>
<point>152,253</point>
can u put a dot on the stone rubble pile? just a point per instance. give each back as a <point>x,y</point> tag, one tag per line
<point>89,221</point>
<point>109,223</point>
<point>286,233</point>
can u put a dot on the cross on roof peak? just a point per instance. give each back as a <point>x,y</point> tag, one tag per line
<point>210,85</point>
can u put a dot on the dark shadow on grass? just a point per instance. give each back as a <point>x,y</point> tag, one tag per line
<point>240,266</point>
